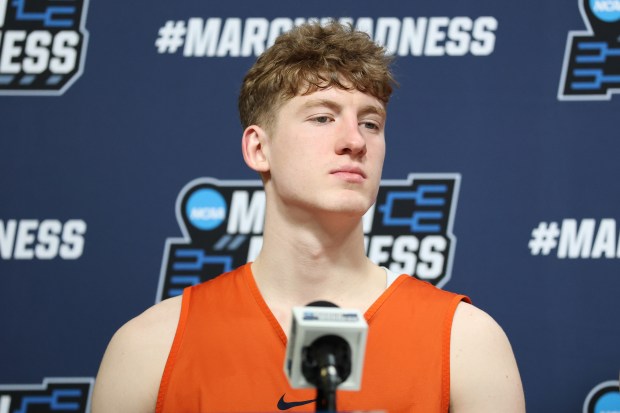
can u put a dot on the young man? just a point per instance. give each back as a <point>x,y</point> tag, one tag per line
<point>314,111</point>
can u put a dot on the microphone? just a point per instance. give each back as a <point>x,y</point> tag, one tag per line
<point>326,350</point>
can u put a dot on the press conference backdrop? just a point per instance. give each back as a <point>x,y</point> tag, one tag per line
<point>122,180</point>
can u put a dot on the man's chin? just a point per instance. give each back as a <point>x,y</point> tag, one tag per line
<point>349,208</point>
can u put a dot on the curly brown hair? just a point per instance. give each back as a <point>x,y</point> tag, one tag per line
<point>312,57</point>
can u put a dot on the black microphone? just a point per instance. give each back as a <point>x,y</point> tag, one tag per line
<point>326,350</point>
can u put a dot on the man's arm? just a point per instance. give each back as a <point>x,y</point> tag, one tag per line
<point>483,372</point>
<point>131,369</point>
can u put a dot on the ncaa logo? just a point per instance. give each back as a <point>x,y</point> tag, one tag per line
<point>604,398</point>
<point>408,230</point>
<point>42,45</point>
<point>206,209</point>
<point>591,69</point>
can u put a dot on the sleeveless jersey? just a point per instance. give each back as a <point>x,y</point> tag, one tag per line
<point>228,352</point>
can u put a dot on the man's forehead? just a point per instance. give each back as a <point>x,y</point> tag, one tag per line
<point>334,96</point>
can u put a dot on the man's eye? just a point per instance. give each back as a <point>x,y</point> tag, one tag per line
<point>321,119</point>
<point>370,125</point>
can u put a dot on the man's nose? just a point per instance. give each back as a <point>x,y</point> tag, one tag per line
<point>350,140</point>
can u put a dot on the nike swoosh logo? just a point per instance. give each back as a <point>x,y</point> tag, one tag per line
<point>282,405</point>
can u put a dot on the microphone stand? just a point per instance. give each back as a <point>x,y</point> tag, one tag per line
<point>326,364</point>
<point>327,383</point>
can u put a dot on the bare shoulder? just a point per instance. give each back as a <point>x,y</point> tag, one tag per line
<point>484,376</point>
<point>131,369</point>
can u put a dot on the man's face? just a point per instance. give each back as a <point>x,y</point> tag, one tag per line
<point>326,151</point>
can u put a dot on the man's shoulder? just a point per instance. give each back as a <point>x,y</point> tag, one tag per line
<point>474,324</point>
<point>129,375</point>
<point>475,332</point>
<point>161,318</point>
<point>149,336</point>
<point>478,344</point>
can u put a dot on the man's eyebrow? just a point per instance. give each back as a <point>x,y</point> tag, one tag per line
<point>373,109</point>
<point>313,103</point>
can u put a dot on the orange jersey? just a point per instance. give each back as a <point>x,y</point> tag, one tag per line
<point>228,352</point>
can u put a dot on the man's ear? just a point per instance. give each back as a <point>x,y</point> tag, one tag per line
<point>255,151</point>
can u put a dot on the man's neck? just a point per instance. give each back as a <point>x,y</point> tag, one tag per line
<point>315,260</point>
<point>311,254</point>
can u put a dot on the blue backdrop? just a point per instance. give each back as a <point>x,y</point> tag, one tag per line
<point>112,116</point>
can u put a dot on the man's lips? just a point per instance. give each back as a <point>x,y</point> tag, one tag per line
<point>349,173</point>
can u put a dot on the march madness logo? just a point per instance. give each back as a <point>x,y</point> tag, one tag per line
<point>409,229</point>
<point>42,45</point>
<point>591,69</point>
<point>58,395</point>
